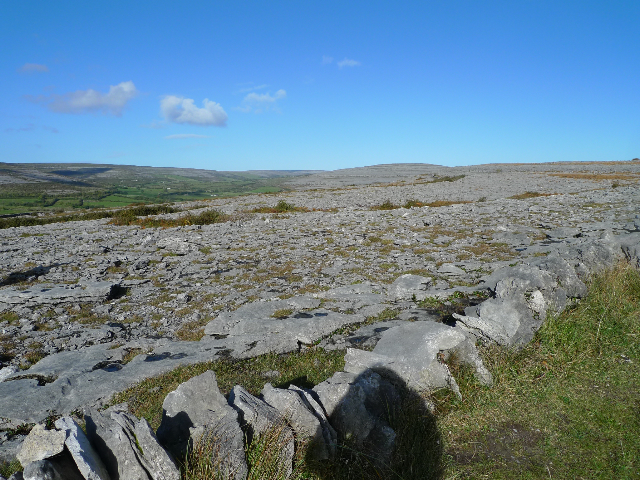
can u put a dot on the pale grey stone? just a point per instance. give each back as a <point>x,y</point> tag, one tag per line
<point>408,286</point>
<point>291,405</point>
<point>115,444</point>
<point>197,408</point>
<point>157,461</point>
<point>40,444</point>
<point>357,407</point>
<point>506,322</point>
<point>412,351</point>
<point>261,418</point>
<point>86,458</point>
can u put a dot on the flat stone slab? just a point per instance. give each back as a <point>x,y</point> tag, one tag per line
<point>39,295</point>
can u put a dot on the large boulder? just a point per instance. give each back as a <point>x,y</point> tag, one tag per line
<point>128,447</point>
<point>40,444</point>
<point>260,419</point>
<point>414,352</point>
<point>359,406</point>
<point>407,287</point>
<point>309,422</point>
<point>197,410</point>
<point>86,458</point>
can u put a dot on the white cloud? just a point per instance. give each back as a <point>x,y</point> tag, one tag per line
<point>347,62</point>
<point>86,101</point>
<point>182,110</point>
<point>178,136</point>
<point>33,68</point>
<point>258,102</point>
<point>326,60</point>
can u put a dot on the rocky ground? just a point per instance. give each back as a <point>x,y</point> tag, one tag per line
<point>86,297</point>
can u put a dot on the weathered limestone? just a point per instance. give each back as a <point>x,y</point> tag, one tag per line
<point>86,291</point>
<point>86,458</point>
<point>260,419</point>
<point>414,352</point>
<point>408,287</point>
<point>308,423</point>
<point>197,410</point>
<point>129,447</point>
<point>41,444</point>
<point>358,406</point>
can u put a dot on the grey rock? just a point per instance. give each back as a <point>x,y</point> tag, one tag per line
<point>37,295</point>
<point>197,408</point>
<point>358,406</point>
<point>408,286</point>
<point>7,372</point>
<point>631,248</point>
<point>41,444</point>
<point>86,458</point>
<point>10,446</point>
<point>451,270</point>
<point>60,467</point>
<point>116,444</point>
<point>504,321</point>
<point>304,328</point>
<point>412,350</point>
<point>157,461</point>
<point>261,418</point>
<point>563,274</point>
<point>329,434</point>
<point>292,406</point>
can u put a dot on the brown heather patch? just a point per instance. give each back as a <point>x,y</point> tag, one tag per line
<point>192,331</point>
<point>445,203</point>
<point>525,195</point>
<point>634,177</point>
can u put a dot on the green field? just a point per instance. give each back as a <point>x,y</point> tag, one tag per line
<point>31,188</point>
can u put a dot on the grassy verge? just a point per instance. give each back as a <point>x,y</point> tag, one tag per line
<point>565,406</point>
<point>304,369</point>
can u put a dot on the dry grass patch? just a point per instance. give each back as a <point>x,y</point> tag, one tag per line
<point>526,195</point>
<point>596,177</point>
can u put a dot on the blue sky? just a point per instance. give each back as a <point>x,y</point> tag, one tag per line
<point>319,85</point>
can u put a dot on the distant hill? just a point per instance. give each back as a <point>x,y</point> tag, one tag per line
<point>30,187</point>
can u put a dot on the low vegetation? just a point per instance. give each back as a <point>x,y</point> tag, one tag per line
<point>526,195</point>
<point>281,207</point>
<point>206,217</point>
<point>564,406</point>
<point>388,205</point>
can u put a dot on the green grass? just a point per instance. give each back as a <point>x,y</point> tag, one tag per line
<point>565,406</point>
<point>304,369</point>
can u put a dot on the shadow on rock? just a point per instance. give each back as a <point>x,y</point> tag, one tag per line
<point>385,429</point>
<point>27,275</point>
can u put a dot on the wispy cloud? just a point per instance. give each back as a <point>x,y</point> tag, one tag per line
<point>326,60</point>
<point>347,62</point>
<point>33,68</point>
<point>252,88</point>
<point>179,136</point>
<point>30,127</point>
<point>88,101</point>
<point>182,110</point>
<point>259,102</point>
